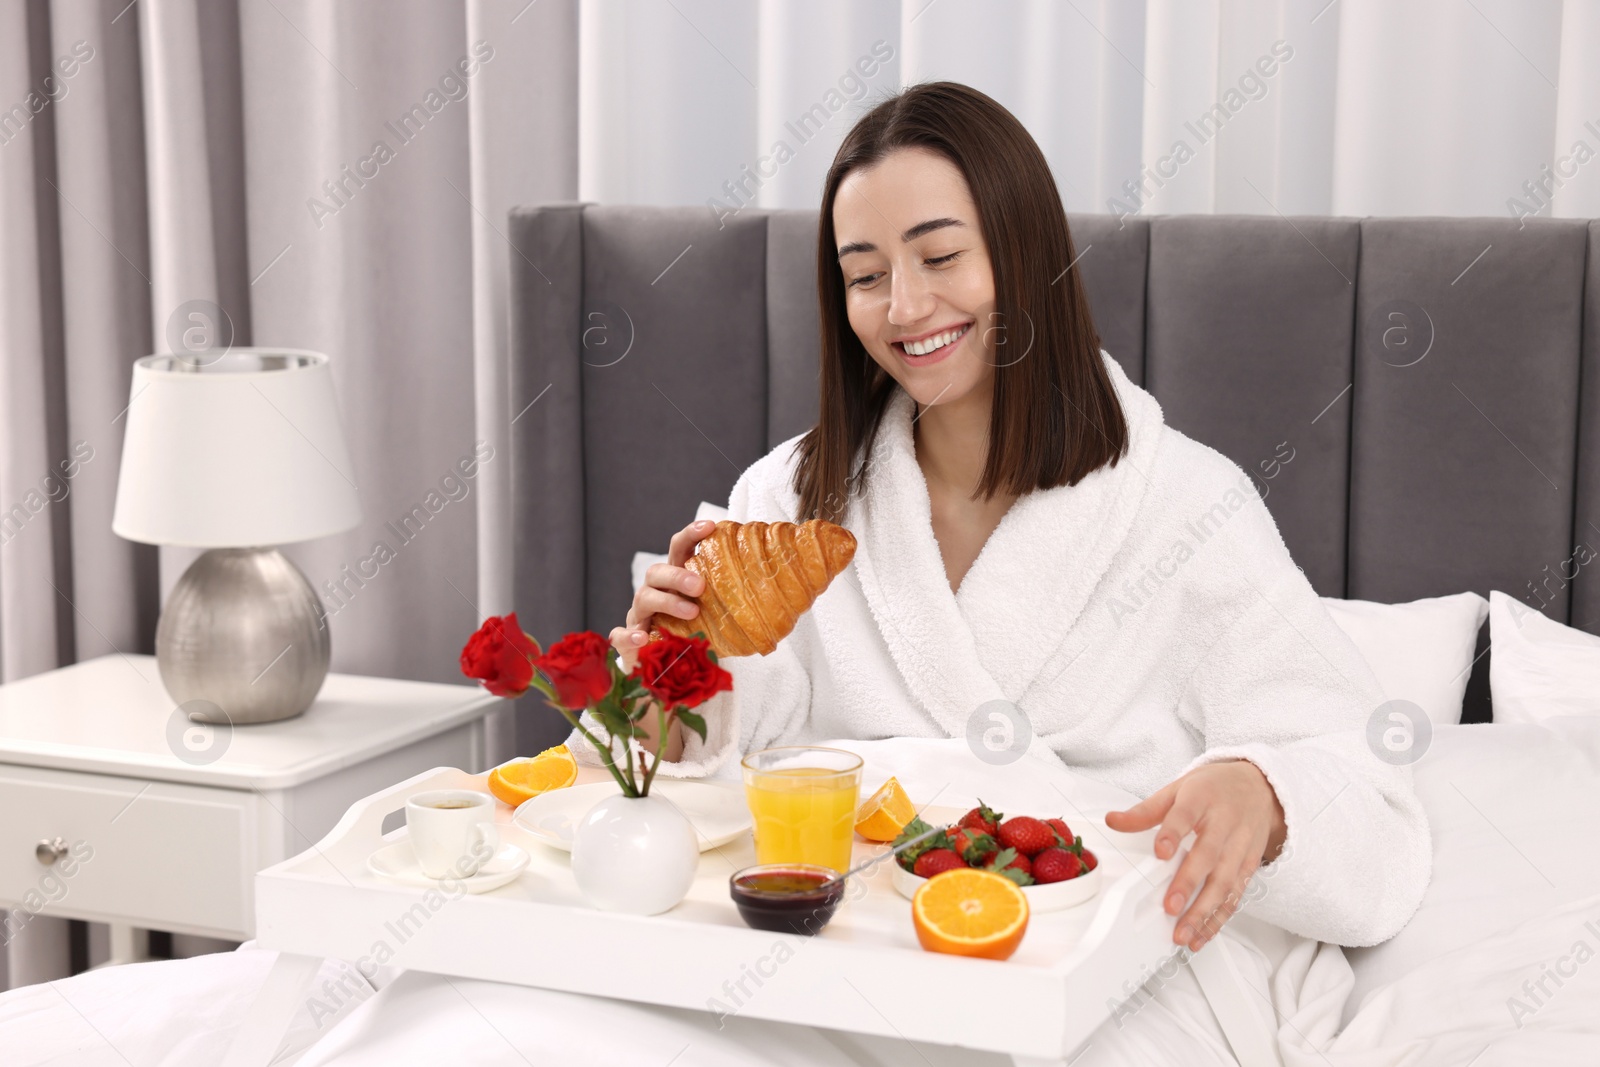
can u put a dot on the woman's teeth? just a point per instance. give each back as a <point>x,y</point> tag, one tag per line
<point>937,341</point>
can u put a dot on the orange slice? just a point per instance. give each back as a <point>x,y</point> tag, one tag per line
<point>885,813</point>
<point>970,912</point>
<point>527,776</point>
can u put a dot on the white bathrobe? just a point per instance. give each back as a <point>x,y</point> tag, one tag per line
<point>1145,621</point>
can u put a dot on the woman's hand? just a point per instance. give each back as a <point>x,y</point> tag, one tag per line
<point>1239,825</point>
<point>667,588</point>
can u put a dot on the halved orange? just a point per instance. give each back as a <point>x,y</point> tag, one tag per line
<point>527,776</point>
<point>885,813</point>
<point>970,912</point>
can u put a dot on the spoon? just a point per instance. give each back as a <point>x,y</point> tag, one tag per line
<point>880,857</point>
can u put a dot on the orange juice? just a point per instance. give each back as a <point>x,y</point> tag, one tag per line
<point>803,815</point>
<point>803,805</point>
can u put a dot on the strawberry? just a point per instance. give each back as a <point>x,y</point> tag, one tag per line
<point>937,861</point>
<point>1027,835</point>
<point>971,845</point>
<point>982,819</point>
<point>1063,832</point>
<point>1089,860</point>
<point>1012,864</point>
<point>1056,865</point>
<point>907,858</point>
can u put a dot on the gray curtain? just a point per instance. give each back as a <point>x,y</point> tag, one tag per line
<point>170,157</point>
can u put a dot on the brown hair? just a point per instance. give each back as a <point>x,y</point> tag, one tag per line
<point>1056,417</point>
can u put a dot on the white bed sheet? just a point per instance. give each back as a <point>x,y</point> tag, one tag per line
<point>166,1013</point>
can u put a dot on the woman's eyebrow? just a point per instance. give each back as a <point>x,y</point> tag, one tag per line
<point>919,230</point>
<point>922,228</point>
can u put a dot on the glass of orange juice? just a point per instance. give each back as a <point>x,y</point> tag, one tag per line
<point>803,804</point>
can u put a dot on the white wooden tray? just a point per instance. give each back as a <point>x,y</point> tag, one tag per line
<point>1073,968</point>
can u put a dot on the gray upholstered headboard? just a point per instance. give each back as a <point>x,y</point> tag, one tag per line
<point>1430,375</point>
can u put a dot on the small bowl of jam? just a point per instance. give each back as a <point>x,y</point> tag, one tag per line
<point>786,898</point>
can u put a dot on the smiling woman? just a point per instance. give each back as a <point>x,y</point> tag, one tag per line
<point>943,266</point>
<point>1006,483</point>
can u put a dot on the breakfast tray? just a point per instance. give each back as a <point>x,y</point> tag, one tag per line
<point>864,973</point>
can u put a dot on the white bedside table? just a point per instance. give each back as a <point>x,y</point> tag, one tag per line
<point>113,810</point>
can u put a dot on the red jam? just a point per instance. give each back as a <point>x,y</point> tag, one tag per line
<point>786,899</point>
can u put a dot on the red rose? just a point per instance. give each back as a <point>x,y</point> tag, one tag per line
<point>678,670</point>
<point>500,656</point>
<point>578,666</point>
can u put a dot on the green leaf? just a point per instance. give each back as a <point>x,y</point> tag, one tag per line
<point>611,717</point>
<point>1001,865</point>
<point>916,826</point>
<point>1017,875</point>
<point>620,681</point>
<point>912,829</point>
<point>693,721</point>
<point>981,845</point>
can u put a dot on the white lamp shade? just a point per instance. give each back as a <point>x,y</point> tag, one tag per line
<point>242,449</point>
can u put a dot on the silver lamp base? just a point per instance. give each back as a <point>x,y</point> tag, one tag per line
<point>243,630</point>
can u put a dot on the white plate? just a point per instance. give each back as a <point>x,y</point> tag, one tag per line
<point>717,814</point>
<point>398,862</point>
<point>1056,896</point>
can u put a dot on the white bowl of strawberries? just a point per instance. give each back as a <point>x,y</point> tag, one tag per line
<point>1043,856</point>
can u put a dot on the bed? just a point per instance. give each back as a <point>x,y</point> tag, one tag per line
<point>1417,399</point>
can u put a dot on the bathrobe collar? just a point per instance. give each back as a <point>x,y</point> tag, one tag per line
<point>1020,599</point>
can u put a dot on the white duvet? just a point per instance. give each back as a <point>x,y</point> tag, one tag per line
<point>1498,967</point>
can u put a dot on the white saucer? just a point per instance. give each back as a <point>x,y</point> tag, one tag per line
<point>717,814</point>
<point>398,863</point>
<point>1053,896</point>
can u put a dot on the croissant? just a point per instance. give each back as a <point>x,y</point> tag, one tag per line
<point>760,578</point>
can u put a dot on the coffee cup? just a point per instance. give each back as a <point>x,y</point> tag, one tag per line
<point>452,831</point>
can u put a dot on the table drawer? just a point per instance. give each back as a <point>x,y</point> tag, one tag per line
<point>154,854</point>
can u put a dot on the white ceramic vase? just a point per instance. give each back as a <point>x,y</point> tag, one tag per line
<point>634,854</point>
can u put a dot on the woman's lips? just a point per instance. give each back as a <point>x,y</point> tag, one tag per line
<point>936,355</point>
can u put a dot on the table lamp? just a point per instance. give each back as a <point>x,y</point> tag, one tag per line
<point>237,452</point>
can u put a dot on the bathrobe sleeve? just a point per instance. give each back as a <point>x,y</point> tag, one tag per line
<point>771,693</point>
<point>1284,688</point>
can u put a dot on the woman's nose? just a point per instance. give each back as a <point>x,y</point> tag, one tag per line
<point>911,299</point>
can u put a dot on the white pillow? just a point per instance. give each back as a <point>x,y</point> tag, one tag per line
<point>1512,809</point>
<point>1537,667</point>
<point>1421,651</point>
<point>643,560</point>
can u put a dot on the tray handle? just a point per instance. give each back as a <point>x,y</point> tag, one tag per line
<point>363,820</point>
<point>1133,902</point>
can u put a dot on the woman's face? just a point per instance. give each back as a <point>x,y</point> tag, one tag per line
<point>919,288</point>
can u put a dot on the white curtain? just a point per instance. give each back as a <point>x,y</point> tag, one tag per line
<point>159,153</point>
<point>178,154</point>
<point>1344,107</point>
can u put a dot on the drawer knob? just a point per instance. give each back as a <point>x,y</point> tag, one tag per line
<point>49,850</point>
